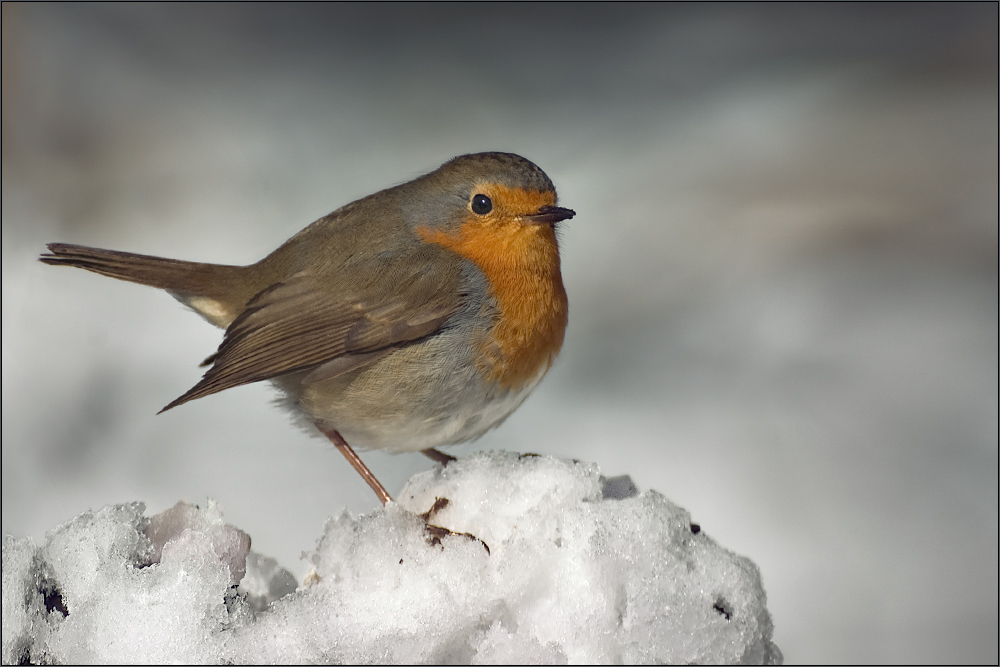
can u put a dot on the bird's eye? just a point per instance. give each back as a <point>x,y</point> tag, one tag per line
<point>481,204</point>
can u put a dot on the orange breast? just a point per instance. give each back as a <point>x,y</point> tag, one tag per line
<point>521,263</point>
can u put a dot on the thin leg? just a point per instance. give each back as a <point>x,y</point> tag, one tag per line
<point>355,461</point>
<point>440,457</point>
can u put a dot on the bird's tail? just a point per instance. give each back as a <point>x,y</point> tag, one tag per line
<point>207,288</point>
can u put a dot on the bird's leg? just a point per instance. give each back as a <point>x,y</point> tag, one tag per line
<point>440,457</point>
<point>355,461</point>
<point>434,533</point>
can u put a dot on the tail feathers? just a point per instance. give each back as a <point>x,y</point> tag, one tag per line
<point>180,278</point>
<point>216,292</point>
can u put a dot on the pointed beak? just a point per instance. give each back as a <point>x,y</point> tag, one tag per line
<point>549,215</point>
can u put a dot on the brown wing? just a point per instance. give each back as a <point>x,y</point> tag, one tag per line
<point>305,321</point>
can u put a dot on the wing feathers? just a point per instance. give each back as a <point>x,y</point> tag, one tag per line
<point>304,322</point>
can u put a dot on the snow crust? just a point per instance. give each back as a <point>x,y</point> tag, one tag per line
<point>547,562</point>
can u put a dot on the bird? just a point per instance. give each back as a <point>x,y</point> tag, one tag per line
<point>414,318</point>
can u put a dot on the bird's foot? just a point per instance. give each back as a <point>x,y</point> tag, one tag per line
<point>436,533</point>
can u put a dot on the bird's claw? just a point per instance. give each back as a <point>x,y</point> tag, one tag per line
<point>436,533</point>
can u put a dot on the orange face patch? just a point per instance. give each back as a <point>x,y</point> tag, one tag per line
<point>521,262</point>
<point>510,203</point>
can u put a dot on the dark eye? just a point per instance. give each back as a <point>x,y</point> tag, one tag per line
<point>481,204</point>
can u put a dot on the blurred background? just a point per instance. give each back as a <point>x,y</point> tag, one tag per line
<point>782,273</point>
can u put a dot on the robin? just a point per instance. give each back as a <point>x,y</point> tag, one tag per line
<point>417,317</point>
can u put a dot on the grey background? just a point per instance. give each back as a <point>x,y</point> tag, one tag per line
<point>782,274</point>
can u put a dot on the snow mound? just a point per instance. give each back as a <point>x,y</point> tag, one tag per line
<point>546,562</point>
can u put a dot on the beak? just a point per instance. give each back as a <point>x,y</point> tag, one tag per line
<point>549,215</point>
